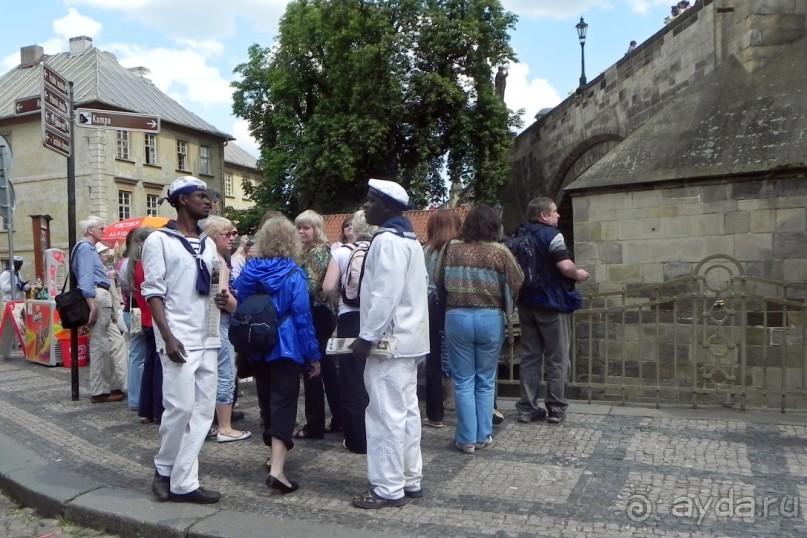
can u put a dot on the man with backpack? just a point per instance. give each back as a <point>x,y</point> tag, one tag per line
<point>393,338</point>
<point>179,267</point>
<point>545,304</point>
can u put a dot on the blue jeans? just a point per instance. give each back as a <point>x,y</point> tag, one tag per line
<point>225,389</point>
<point>137,357</point>
<point>474,337</point>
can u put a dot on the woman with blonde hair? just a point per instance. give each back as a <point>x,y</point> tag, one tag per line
<point>223,233</point>
<point>277,373</point>
<point>316,256</point>
<point>351,370</point>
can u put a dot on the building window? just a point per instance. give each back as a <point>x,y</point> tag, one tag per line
<point>228,184</point>
<point>151,148</point>
<point>124,205</point>
<point>204,160</point>
<point>152,204</point>
<point>123,145</point>
<point>182,155</point>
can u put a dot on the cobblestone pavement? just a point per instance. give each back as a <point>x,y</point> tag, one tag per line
<point>20,522</point>
<point>606,471</point>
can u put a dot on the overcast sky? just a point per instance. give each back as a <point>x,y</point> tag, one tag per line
<point>191,47</point>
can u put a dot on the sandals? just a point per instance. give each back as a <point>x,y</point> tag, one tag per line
<point>302,433</point>
<point>368,499</point>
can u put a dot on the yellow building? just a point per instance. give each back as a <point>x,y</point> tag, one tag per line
<point>239,168</point>
<point>119,174</point>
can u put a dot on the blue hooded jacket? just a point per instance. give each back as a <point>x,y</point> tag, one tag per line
<point>288,285</point>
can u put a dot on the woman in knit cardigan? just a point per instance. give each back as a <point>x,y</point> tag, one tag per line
<point>482,279</point>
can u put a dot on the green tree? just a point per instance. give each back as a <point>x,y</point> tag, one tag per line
<point>400,89</point>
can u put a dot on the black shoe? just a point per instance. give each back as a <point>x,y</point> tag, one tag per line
<point>197,496</point>
<point>414,494</point>
<point>540,414</point>
<point>498,417</point>
<point>274,483</point>
<point>161,487</point>
<point>555,417</point>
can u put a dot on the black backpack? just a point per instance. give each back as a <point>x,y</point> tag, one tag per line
<point>523,249</point>
<point>253,325</point>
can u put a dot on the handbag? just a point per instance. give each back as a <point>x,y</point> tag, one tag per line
<point>73,309</point>
<point>136,323</point>
<point>383,349</point>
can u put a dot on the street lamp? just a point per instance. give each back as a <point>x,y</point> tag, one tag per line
<point>582,27</point>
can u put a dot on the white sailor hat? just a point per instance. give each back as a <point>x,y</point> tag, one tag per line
<point>390,191</point>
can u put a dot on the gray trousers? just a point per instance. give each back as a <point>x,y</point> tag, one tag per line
<point>544,350</point>
<point>107,349</point>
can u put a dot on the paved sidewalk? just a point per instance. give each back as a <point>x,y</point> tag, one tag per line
<point>607,471</point>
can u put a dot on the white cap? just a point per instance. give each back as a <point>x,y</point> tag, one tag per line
<point>18,258</point>
<point>390,191</point>
<point>100,247</point>
<point>185,185</point>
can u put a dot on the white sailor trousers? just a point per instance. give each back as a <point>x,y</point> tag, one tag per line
<point>189,398</point>
<point>392,421</point>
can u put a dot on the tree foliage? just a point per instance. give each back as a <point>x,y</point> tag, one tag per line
<point>399,89</point>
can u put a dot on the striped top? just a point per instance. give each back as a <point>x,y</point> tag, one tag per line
<point>481,274</point>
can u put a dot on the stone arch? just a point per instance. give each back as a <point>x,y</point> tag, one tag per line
<point>578,160</point>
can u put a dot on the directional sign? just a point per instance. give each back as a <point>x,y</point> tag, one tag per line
<point>27,105</point>
<point>55,112</point>
<point>110,119</point>
<point>59,122</point>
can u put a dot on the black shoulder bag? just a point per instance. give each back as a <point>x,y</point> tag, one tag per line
<point>74,311</point>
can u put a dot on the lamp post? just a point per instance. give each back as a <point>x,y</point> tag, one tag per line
<point>582,27</point>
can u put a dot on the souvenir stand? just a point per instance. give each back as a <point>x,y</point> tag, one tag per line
<point>45,341</point>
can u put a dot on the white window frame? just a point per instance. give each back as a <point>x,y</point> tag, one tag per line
<point>204,160</point>
<point>124,140</point>
<point>152,204</point>
<point>124,204</point>
<point>228,183</point>
<point>150,146</point>
<point>182,155</point>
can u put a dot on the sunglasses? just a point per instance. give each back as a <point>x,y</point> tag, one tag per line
<point>229,234</point>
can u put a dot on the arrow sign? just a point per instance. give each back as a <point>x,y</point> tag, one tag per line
<point>56,142</point>
<point>110,119</point>
<point>59,122</point>
<point>27,105</point>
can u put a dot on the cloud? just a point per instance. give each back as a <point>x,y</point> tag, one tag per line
<point>642,7</point>
<point>184,73</point>
<point>240,130</point>
<point>75,24</point>
<point>555,9</point>
<point>530,94</point>
<point>210,18</point>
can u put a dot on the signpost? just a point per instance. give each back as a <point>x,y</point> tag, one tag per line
<point>27,105</point>
<point>55,112</point>
<point>111,119</point>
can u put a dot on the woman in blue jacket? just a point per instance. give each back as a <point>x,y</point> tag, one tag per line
<point>277,372</point>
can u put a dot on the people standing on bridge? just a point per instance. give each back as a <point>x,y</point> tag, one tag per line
<point>12,285</point>
<point>544,315</point>
<point>631,47</point>
<point>178,262</point>
<point>394,301</point>
<point>107,346</point>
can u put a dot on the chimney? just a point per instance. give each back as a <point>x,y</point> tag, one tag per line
<point>31,55</point>
<point>80,44</point>
<point>140,71</point>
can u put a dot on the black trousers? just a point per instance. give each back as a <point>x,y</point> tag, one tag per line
<point>151,384</point>
<point>434,369</point>
<point>325,385</point>
<point>278,386</point>
<point>351,383</point>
